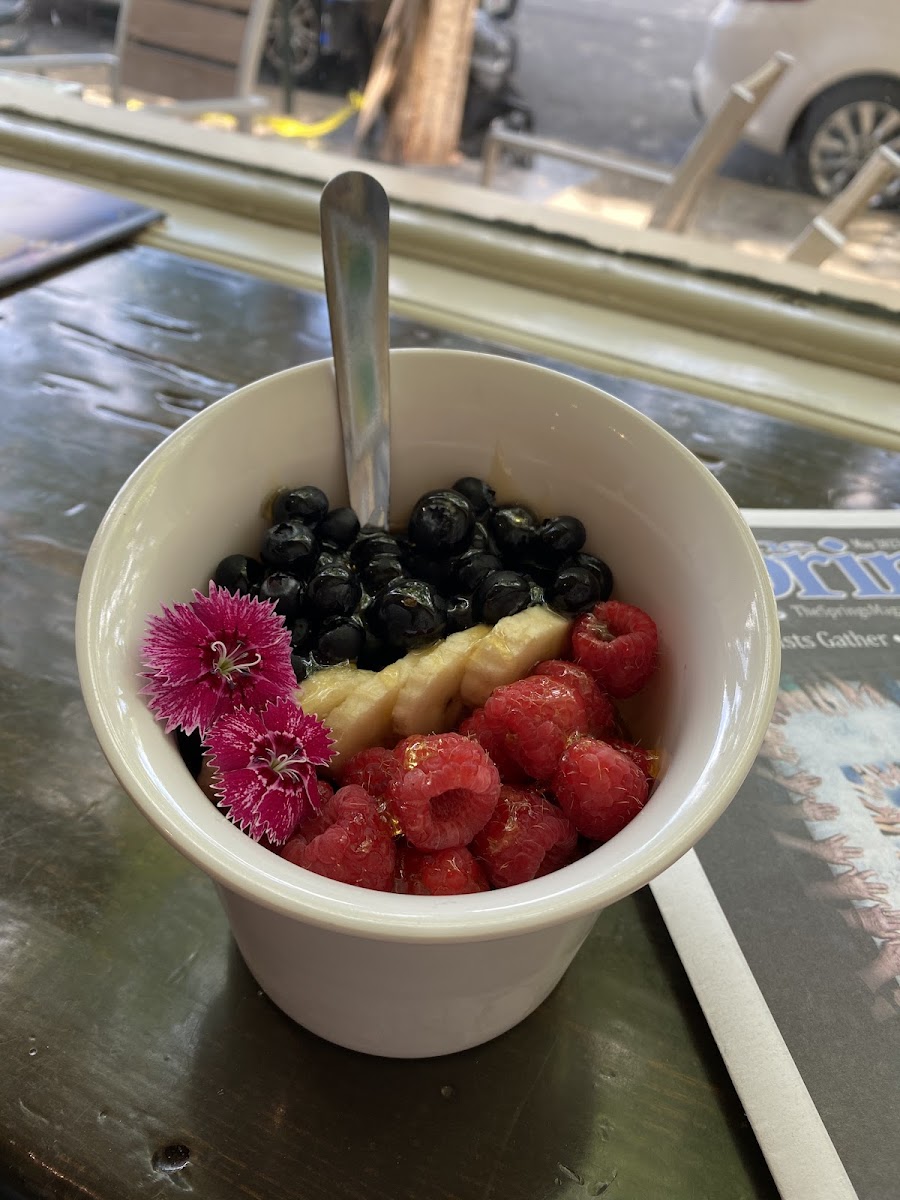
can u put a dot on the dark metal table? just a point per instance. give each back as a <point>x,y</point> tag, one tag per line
<point>138,1056</point>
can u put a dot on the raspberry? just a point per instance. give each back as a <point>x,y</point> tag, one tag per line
<point>524,831</point>
<point>326,791</point>
<point>599,788</point>
<point>647,760</point>
<point>317,823</point>
<point>474,726</point>
<point>451,872</point>
<point>374,769</point>
<point>602,715</point>
<point>346,842</point>
<point>619,645</point>
<point>539,716</point>
<point>562,853</point>
<point>447,791</point>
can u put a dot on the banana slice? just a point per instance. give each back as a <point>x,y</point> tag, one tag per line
<point>365,718</point>
<point>429,700</point>
<point>328,688</point>
<point>511,649</point>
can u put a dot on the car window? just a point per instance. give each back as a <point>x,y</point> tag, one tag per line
<point>737,123</point>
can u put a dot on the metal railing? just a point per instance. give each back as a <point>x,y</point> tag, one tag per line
<point>681,188</point>
<point>824,234</point>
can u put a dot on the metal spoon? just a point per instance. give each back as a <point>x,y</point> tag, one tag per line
<point>353,215</point>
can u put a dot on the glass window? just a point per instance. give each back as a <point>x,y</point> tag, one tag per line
<point>735,123</point>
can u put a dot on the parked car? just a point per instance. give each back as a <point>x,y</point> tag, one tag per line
<point>836,104</point>
<point>15,16</point>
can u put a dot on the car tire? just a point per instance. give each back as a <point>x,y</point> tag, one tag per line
<point>305,26</point>
<point>841,128</point>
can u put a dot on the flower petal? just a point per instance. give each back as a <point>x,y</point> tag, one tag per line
<point>193,681</point>
<point>272,809</point>
<point>264,764</point>
<point>315,739</point>
<point>233,738</point>
<point>187,705</point>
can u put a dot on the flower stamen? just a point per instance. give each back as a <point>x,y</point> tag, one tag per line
<point>238,661</point>
<point>284,764</point>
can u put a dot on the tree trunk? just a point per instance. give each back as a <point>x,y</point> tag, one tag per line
<point>427,108</point>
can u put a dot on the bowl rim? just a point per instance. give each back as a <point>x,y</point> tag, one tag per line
<point>241,866</point>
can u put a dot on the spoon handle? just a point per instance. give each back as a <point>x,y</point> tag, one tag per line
<point>353,213</point>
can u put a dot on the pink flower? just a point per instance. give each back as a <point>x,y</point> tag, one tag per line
<point>265,768</point>
<point>218,653</point>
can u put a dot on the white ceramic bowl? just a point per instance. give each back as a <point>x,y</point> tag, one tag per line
<point>410,976</point>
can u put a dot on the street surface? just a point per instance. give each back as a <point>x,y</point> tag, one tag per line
<point>607,74</point>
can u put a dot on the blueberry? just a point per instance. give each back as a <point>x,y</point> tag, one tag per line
<point>537,595</point>
<point>501,594</point>
<point>300,632</point>
<point>470,568</point>
<point>460,614</point>
<point>334,591</point>
<point>483,539</point>
<point>479,494</point>
<point>597,567</point>
<point>408,614</point>
<point>575,590</point>
<point>514,528</point>
<point>441,523</point>
<point>376,654</point>
<point>540,573</point>
<point>340,641</point>
<point>558,538</point>
<point>302,665</point>
<point>287,592</point>
<point>370,545</point>
<point>330,556</point>
<point>291,545</point>
<point>306,504</point>
<point>382,570</point>
<point>238,573</point>
<point>339,527</point>
<point>439,572</point>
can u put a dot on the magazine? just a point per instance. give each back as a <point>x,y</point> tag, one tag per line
<point>787,914</point>
<point>47,222</point>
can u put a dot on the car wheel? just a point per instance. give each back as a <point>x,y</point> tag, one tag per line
<point>841,129</point>
<point>303,27</point>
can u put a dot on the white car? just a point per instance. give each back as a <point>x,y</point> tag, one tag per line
<point>835,105</point>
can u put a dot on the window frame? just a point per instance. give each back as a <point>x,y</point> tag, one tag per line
<point>669,308</point>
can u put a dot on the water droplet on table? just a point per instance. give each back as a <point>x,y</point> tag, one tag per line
<point>171,1158</point>
<point>568,1173</point>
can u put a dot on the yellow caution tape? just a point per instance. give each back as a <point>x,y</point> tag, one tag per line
<point>290,127</point>
<point>283,126</point>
